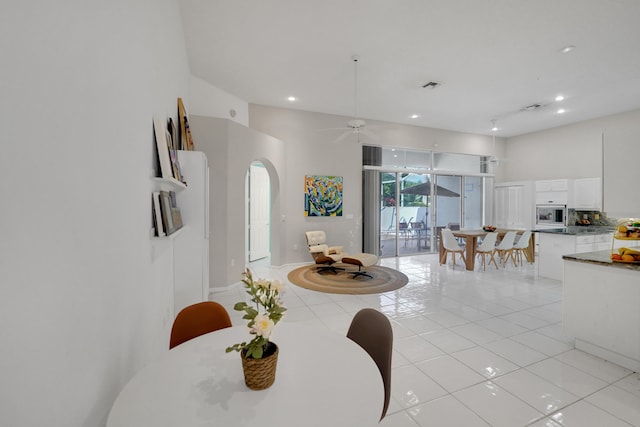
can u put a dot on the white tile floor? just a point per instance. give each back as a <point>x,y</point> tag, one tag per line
<point>475,348</point>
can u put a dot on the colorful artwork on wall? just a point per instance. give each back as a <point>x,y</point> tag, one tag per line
<point>322,195</point>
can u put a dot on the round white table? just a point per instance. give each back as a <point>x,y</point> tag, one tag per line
<point>322,379</point>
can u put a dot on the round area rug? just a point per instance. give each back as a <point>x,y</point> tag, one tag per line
<point>384,279</point>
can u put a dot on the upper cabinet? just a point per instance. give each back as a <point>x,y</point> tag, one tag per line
<point>587,194</point>
<point>552,192</point>
<point>552,185</point>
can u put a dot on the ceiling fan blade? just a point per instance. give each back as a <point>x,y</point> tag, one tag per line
<point>343,137</point>
<point>331,129</point>
<point>369,134</point>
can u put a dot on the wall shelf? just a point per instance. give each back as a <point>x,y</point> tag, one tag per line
<point>167,184</point>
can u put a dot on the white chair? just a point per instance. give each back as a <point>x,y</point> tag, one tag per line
<point>521,245</point>
<point>323,255</point>
<point>505,248</point>
<point>450,245</point>
<point>487,248</point>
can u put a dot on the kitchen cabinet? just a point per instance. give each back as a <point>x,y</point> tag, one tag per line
<point>552,246</point>
<point>600,309</point>
<point>587,194</point>
<point>552,185</point>
<point>593,242</point>
<point>552,192</point>
<point>510,207</point>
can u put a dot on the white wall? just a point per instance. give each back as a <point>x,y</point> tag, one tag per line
<point>231,148</point>
<point>575,151</point>
<point>82,307</point>
<point>312,150</point>
<point>210,101</point>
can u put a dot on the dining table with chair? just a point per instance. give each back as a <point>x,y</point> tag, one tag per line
<point>471,237</point>
<point>322,378</point>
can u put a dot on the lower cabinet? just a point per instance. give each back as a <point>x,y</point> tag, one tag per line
<point>553,246</point>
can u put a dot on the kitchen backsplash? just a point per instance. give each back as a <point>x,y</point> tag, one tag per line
<point>594,217</point>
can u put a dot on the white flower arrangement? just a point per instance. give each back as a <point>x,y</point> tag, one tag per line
<point>267,312</point>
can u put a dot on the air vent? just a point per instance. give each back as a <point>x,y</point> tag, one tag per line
<point>431,85</point>
<point>532,107</point>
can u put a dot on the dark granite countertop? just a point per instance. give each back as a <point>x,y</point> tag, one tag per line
<point>601,258</point>
<point>574,230</point>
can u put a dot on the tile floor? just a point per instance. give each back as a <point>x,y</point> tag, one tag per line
<point>475,348</point>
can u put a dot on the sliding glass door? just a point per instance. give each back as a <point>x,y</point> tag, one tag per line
<point>414,207</point>
<point>410,195</point>
<point>404,213</point>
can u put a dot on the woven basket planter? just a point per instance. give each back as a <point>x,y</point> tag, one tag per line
<point>260,373</point>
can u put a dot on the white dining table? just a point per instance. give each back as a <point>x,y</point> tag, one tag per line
<point>322,379</point>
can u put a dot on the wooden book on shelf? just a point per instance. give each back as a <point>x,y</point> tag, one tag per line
<point>186,140</point>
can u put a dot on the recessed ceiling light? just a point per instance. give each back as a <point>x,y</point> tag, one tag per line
<point>292,98</point>
<point>414,116</point>
<point>560,98</point>
<point>561,111</point>
<point>567,49</point>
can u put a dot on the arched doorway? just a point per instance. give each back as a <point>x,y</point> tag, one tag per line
<point>258,213</point>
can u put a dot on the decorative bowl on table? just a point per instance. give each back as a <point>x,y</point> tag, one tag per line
<point>489,228</point>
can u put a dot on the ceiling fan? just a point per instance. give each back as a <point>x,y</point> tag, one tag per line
<point>355,125</point>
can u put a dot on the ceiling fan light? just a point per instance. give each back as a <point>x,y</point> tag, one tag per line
<point>414,116</point>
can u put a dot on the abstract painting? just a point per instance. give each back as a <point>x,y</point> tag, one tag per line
<point>322,195</point>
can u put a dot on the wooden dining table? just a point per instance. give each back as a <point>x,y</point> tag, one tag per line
<point>471,243</point>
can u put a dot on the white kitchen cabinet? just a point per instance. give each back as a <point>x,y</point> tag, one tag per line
<point>552,192</point>
<point>552,185</point>
<point>551,249</point>
<point>593,242</point>
<point>587,194</point>
<point>600,309</point>
<point>510,207</point>
<point>553,246</point>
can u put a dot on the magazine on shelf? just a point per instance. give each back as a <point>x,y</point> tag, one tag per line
<point>166,170</point>
<point>176,215</point>
<point>165,205</point>
<point>157,215</point>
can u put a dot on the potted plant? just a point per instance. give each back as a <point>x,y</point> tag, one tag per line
<point>260,355</point>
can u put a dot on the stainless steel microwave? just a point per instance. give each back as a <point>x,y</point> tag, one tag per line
<point>551,215</point>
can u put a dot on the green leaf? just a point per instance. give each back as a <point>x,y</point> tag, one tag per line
<point>239,306</point>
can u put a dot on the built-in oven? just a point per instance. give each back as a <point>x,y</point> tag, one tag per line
<point>551,216</point>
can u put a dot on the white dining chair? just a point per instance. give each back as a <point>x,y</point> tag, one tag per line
<point>450,245</point>
<point>487,248</point>
<point>521,245</point>
<point>505,248</point>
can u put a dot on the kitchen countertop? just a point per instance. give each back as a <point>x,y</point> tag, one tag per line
<point>576,230</point>
<point>601,258</point>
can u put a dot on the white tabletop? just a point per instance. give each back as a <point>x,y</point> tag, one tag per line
<point>322,379</point>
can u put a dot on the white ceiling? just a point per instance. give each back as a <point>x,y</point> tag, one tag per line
<point>493,57</point>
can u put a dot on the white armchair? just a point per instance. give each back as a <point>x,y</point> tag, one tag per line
<point>324,255</point>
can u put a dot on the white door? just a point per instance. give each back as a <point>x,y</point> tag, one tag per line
<point>259,212</point>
